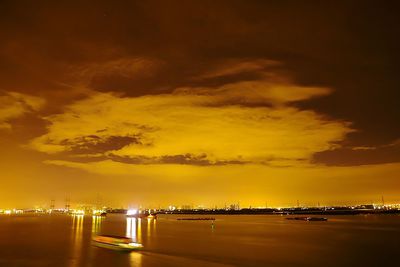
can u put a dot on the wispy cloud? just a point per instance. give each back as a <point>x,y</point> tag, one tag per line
<point>262,92</point>
<point>14,105</point>
<point>126,67</point>
<point>234,67</point>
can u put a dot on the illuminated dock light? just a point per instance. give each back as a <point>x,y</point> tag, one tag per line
<point>131,212</point>
<point>78,212</point>
<point>98,212</point>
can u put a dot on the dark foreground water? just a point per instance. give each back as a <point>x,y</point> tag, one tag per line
<point>61,240</point>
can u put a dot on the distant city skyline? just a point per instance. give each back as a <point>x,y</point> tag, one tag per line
<point>55,204</point>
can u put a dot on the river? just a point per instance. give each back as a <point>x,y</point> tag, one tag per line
<point>233,240</point>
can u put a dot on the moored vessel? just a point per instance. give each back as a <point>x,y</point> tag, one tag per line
<point>307,219</point>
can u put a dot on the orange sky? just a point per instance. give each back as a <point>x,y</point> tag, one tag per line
<point>203,104</point>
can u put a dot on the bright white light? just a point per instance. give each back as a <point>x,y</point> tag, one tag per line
<point>131,212</point>
<point>136,245</point>
<point>79,212</point>
<point>96,212</point>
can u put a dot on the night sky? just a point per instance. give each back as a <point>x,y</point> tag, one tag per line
<point>199,102</point>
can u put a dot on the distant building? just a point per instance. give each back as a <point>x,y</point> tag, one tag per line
<point>186,207</point>
<point>234,207</point>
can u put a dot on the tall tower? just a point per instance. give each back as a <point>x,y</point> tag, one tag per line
<point>67,204</point>
<point>52,202</point>
<point>99,201</point>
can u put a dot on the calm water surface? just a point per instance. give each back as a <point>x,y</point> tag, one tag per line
<point>61,240</point>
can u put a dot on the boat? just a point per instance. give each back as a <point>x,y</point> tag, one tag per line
<point>197,219</point>
<point>100,214</point>
<point>132,213</point>
<point>317,219</point>
<point>307,219</point>
<point>119,243</point>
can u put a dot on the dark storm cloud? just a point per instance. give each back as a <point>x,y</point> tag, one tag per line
<point>349,46</point>
<point>360,156</point>
<point>187,159</point>
<point>94,144</point>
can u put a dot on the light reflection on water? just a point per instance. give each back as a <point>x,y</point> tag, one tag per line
<point>96,224</point>
<point>139,231</point>
<point>149,228</point>
<point>77,229</point>
<point>131,230</point>
<point>135,259</point>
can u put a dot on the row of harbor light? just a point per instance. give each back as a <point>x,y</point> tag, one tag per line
<point>13,211</point>
<point>132,212</point>
<point>83,212</point>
